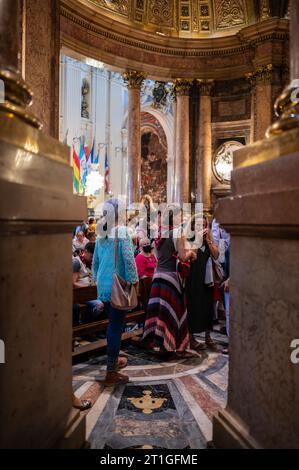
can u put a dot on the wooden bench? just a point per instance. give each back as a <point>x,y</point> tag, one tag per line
<point>83,294</point>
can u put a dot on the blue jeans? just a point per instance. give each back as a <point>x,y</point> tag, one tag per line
<point>93,314</point>
<point>226,301</point>
<point>115,328</point>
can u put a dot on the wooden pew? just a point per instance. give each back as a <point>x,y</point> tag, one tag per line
<point>83,294</point>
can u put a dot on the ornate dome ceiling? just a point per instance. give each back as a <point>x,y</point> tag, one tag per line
<point>182,18</point>
<point>169,38</point>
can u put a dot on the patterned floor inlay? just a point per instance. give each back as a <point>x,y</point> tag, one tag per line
<point>166,405</point>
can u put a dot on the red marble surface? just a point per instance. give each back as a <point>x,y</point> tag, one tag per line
<point>201,396</point>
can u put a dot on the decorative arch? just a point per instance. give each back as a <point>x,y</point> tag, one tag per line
<point>166,120</point>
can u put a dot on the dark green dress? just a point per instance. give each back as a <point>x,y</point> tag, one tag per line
<point>199,296</point>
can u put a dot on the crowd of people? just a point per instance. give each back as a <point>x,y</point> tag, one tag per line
<point>179,287</point>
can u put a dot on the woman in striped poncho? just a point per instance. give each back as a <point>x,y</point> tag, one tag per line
<point>166,326</point>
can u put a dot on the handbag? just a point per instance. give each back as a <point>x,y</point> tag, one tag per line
<point>217,271</point>
<point>123,294</point>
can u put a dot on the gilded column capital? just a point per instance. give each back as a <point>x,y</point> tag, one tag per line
<point>205,86</point>
<point>264,9</point>
<point>250,77</point>
<point>262,76</point>
<point>182,87</point>
<point>133,79</point>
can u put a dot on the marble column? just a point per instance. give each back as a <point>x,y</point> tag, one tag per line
<point>172,182</point>
<point>182,150</point>
<point>9,44</point>
<point>41,48</point>
<point>261,82</point>
<point>204,154</point>
<point>37,214</point>
<point>134,81</point>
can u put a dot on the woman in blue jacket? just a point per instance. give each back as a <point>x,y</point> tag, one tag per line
<point>103,270</point>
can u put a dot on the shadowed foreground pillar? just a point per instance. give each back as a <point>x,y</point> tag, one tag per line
<point>37,214</point>
<point>263,218</point>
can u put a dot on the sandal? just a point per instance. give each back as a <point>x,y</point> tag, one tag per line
<point>196,345</point>
<point>187,354</point>
<point>84,405</point>
<point>122,362</point>
<point>211,344</point>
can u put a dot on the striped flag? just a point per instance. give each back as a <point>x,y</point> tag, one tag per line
<point>76,169</point>
<point>86,149</point>
<point>91,155</point>
<point>90,159</point>
<point>97,157</point>
<point>83,165</point>
<point>106,172</point>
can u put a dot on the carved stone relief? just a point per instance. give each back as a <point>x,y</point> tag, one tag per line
<point>161,12</point>
<point>229,13</point>
<point>186,16</point>
<point>116,6</point>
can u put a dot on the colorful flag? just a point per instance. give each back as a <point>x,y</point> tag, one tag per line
<point>97,157</point>
<point>91,155</point>
<point>83,165</point>
<point>106,172</point>
<point>76,169</point>
<point>86,149</point>
<point>90,159</point>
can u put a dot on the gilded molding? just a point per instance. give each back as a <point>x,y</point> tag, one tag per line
<point>133,79</point>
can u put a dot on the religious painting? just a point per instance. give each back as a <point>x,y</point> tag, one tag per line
<point>153,159</point>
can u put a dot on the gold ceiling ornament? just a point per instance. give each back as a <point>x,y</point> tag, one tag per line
<point>181,18</point>
<point>182,86</point>
<point>18,97</point>
<point>287,110</point>
<point>117,6</point>
<point>161,13</point>
<point>230,13</point>
<point>205,86</point>
<point>147,403</point>
<point>133,79</point>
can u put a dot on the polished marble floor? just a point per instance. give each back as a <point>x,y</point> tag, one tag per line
<point>166,405</point>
